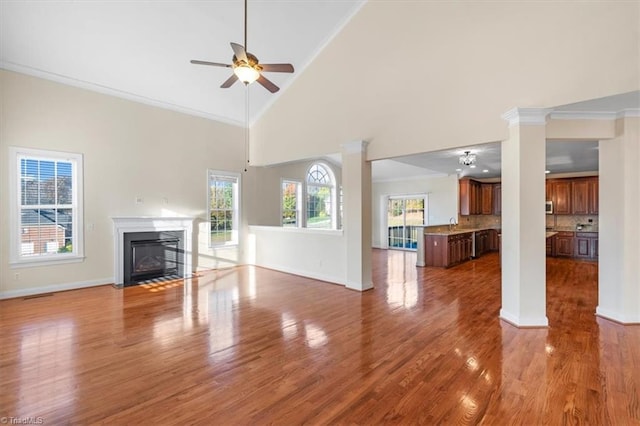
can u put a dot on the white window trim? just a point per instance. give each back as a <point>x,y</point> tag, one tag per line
<point>334,186</point>
<point>235,231</point>
<point>299,201</point>
<point>77,230</point>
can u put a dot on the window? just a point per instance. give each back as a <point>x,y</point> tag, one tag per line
<point>291,197</point>
<point>46,221</point>
<point>320,197</point>
<point>223,207</point>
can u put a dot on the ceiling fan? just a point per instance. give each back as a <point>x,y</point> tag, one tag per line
<point>246,66</point>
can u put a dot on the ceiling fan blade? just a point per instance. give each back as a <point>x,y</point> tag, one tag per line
<point>229,82</point>
<point>277,67</point>
<point>240,53</point>
<point>267,84</point>
<point>215,64</point>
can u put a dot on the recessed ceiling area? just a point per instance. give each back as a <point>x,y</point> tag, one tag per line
<point>561,157</point>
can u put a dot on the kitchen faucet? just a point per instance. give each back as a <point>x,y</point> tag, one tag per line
<point>452,223</point>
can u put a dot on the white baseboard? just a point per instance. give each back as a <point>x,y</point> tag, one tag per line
<point>524,322</point>
<point>306,274</point>
<point>10,294</point>
<point>616,317</point>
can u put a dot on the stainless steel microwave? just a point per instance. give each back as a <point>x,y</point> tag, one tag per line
<point>549,207</point>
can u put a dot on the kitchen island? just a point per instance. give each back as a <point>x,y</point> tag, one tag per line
<point>446,248</point>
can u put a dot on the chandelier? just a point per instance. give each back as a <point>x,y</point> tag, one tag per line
<point>468,159</point>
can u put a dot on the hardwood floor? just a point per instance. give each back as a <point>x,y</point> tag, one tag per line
<point>255,346</point>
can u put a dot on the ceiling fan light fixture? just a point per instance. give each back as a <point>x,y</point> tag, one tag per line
<point>246,74</point>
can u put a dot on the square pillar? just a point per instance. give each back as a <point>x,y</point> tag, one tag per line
<point>523,219</point>
<point>356,220</point>
<point>619,224</point>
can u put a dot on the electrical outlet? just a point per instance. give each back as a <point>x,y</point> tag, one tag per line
<point>139,200</point>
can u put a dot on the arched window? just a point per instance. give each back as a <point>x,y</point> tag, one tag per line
<point>321,197</point>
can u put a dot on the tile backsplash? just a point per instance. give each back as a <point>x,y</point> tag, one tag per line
<point>561,222</point>
<point>571,221</point>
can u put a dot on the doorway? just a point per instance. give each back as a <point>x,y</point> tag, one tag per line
<point>405,216</point>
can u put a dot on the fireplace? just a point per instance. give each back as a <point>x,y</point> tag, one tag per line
<point>151,248</point>
<point>152,256</point>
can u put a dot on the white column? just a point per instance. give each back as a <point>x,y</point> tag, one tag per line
<point>356,221</point>
<point>523,219</point>
<point>619,224</point>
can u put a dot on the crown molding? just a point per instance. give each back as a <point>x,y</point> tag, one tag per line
<point>582,115</point>
<point>526,116</point>
<point>628,113</point>
<point>354,147</point>
<point>105,90</point>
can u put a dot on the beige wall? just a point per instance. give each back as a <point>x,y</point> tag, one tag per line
<point>412,76</point>
<point>267,189</point>
<point>130,150</point>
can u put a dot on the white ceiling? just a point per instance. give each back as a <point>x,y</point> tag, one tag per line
<point>141,50</point>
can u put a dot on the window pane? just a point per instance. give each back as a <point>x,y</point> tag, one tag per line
<point>222,193</point>
<point>318,207</point>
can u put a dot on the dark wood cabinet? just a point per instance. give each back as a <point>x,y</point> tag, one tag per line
<point>551,246</point>
<point>573,196</point>
<point>564,243</point>
<point>586,245</point>
<point>447,250</point>
<point>593,199</point>
<point>477,198</point>
<point>562,197</point>
<point>470,197</point>
<point>497,199</point>
<point>579,196</point>
<point>483,242</point>
<point>486,198</point>
<point>494,243</point>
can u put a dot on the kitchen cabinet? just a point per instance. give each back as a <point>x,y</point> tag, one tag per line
<point>585,196</point>
<point>470,197</point>
<point>444,250</point>
<point>497,199</point>
<point>551,246</point>
<point>564,243</point>
<point>487,198</point>
<point>562,196</point>
<point>573,196</point>
<point>579,196</point>
<point>482,242</point>
<point>477,198</point>
<point>494,243</point>
<point>593,200</point>
<point>586,245</point>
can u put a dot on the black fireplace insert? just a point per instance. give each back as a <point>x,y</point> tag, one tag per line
<point>153,256</point>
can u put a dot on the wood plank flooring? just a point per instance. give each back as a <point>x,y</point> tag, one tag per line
<point>254,346</point>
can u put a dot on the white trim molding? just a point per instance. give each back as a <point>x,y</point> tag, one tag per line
<point>123,225</point>
<point>11,294</point>
<point>354,147</point>
<point>526,116</point>
<point>522,322</point>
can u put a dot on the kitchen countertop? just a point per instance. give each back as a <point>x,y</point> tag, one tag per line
<point>573,229</point>
<point>551,234</point>
<point>457,231</point>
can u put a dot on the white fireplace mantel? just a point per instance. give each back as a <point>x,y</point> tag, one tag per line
<point>123,225</point>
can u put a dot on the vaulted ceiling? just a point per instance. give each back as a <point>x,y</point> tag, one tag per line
<point>140,50</point>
